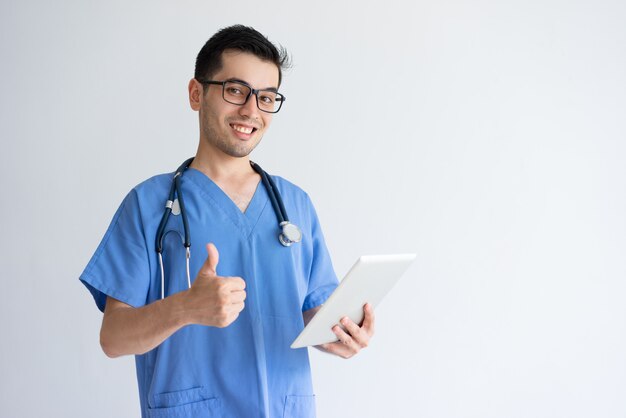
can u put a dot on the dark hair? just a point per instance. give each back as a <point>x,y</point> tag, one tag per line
<point>242,38</point>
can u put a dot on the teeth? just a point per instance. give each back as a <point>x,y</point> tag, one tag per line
<point>242,129</point>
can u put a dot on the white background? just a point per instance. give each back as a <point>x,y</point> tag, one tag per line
<point>486,136</point>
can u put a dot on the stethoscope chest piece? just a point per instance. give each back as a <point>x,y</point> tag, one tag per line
<point>290,234</point>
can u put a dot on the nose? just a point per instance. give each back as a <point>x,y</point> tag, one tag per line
<point>250,108</point>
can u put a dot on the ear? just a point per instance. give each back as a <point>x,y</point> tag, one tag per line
<point>195,94</point>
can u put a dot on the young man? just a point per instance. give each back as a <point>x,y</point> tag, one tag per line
<point>218,344</point>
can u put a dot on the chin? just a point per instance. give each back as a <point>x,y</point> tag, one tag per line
<point>238,152</point>
<point>245,150</point>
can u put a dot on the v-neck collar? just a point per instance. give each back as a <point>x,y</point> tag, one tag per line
<point>247,220</point>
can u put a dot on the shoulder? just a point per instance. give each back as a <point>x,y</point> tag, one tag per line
<point>154,184</point>
<point>154,189</point>
<point>297,202</point>
<point>148,195</point>
<point>294,192</point>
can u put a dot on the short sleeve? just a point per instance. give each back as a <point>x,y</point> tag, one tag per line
<point>120,267</point>
<point>322,277</point>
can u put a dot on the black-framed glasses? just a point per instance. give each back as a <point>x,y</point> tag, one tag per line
<point>238,93</point>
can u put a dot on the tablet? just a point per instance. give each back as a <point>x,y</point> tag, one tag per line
<point>368,281</point>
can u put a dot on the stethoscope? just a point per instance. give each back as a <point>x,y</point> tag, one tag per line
<point>289,234</point>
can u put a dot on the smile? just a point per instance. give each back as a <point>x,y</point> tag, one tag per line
<point>243,129</point>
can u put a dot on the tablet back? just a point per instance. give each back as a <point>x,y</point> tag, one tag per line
<point>368,281</point>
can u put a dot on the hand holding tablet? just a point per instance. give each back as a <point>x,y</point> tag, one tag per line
<point>368,281</point>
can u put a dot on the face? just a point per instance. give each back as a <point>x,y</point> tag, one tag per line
<point>227,128</point>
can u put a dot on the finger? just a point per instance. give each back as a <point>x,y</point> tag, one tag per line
<point>213,257</point>
<point>368,319</point>
<point>346,339</point>
<point>238,307</point>
<point>234,283</point>
<point>337,348</point>
<point>238,296</point>
<point>357,334</point>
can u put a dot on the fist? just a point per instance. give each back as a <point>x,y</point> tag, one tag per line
<point>215,300</point>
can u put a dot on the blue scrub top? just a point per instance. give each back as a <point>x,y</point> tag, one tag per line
<point>246,369</point>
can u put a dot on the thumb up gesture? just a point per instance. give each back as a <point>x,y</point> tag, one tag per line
<point>214,300</point>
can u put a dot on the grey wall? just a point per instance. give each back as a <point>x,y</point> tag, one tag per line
<point>487,136</point>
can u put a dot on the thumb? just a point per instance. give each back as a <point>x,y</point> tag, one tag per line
<point>213,257</point>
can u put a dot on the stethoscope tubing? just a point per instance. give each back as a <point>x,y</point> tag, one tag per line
<point>286,238</point>
<point>277,204</point>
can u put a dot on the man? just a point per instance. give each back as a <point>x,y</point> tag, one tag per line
<point>219,346</point>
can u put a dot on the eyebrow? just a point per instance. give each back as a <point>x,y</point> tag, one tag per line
<point>238,80</point>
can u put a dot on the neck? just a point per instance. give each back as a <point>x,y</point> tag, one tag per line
<point>219,166</point>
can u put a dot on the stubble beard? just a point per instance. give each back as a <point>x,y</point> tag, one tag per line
<point>233,149</point>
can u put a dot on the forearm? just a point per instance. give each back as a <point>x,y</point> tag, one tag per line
<point>127,330</point>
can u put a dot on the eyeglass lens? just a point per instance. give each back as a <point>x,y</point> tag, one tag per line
<point>238,93</point>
